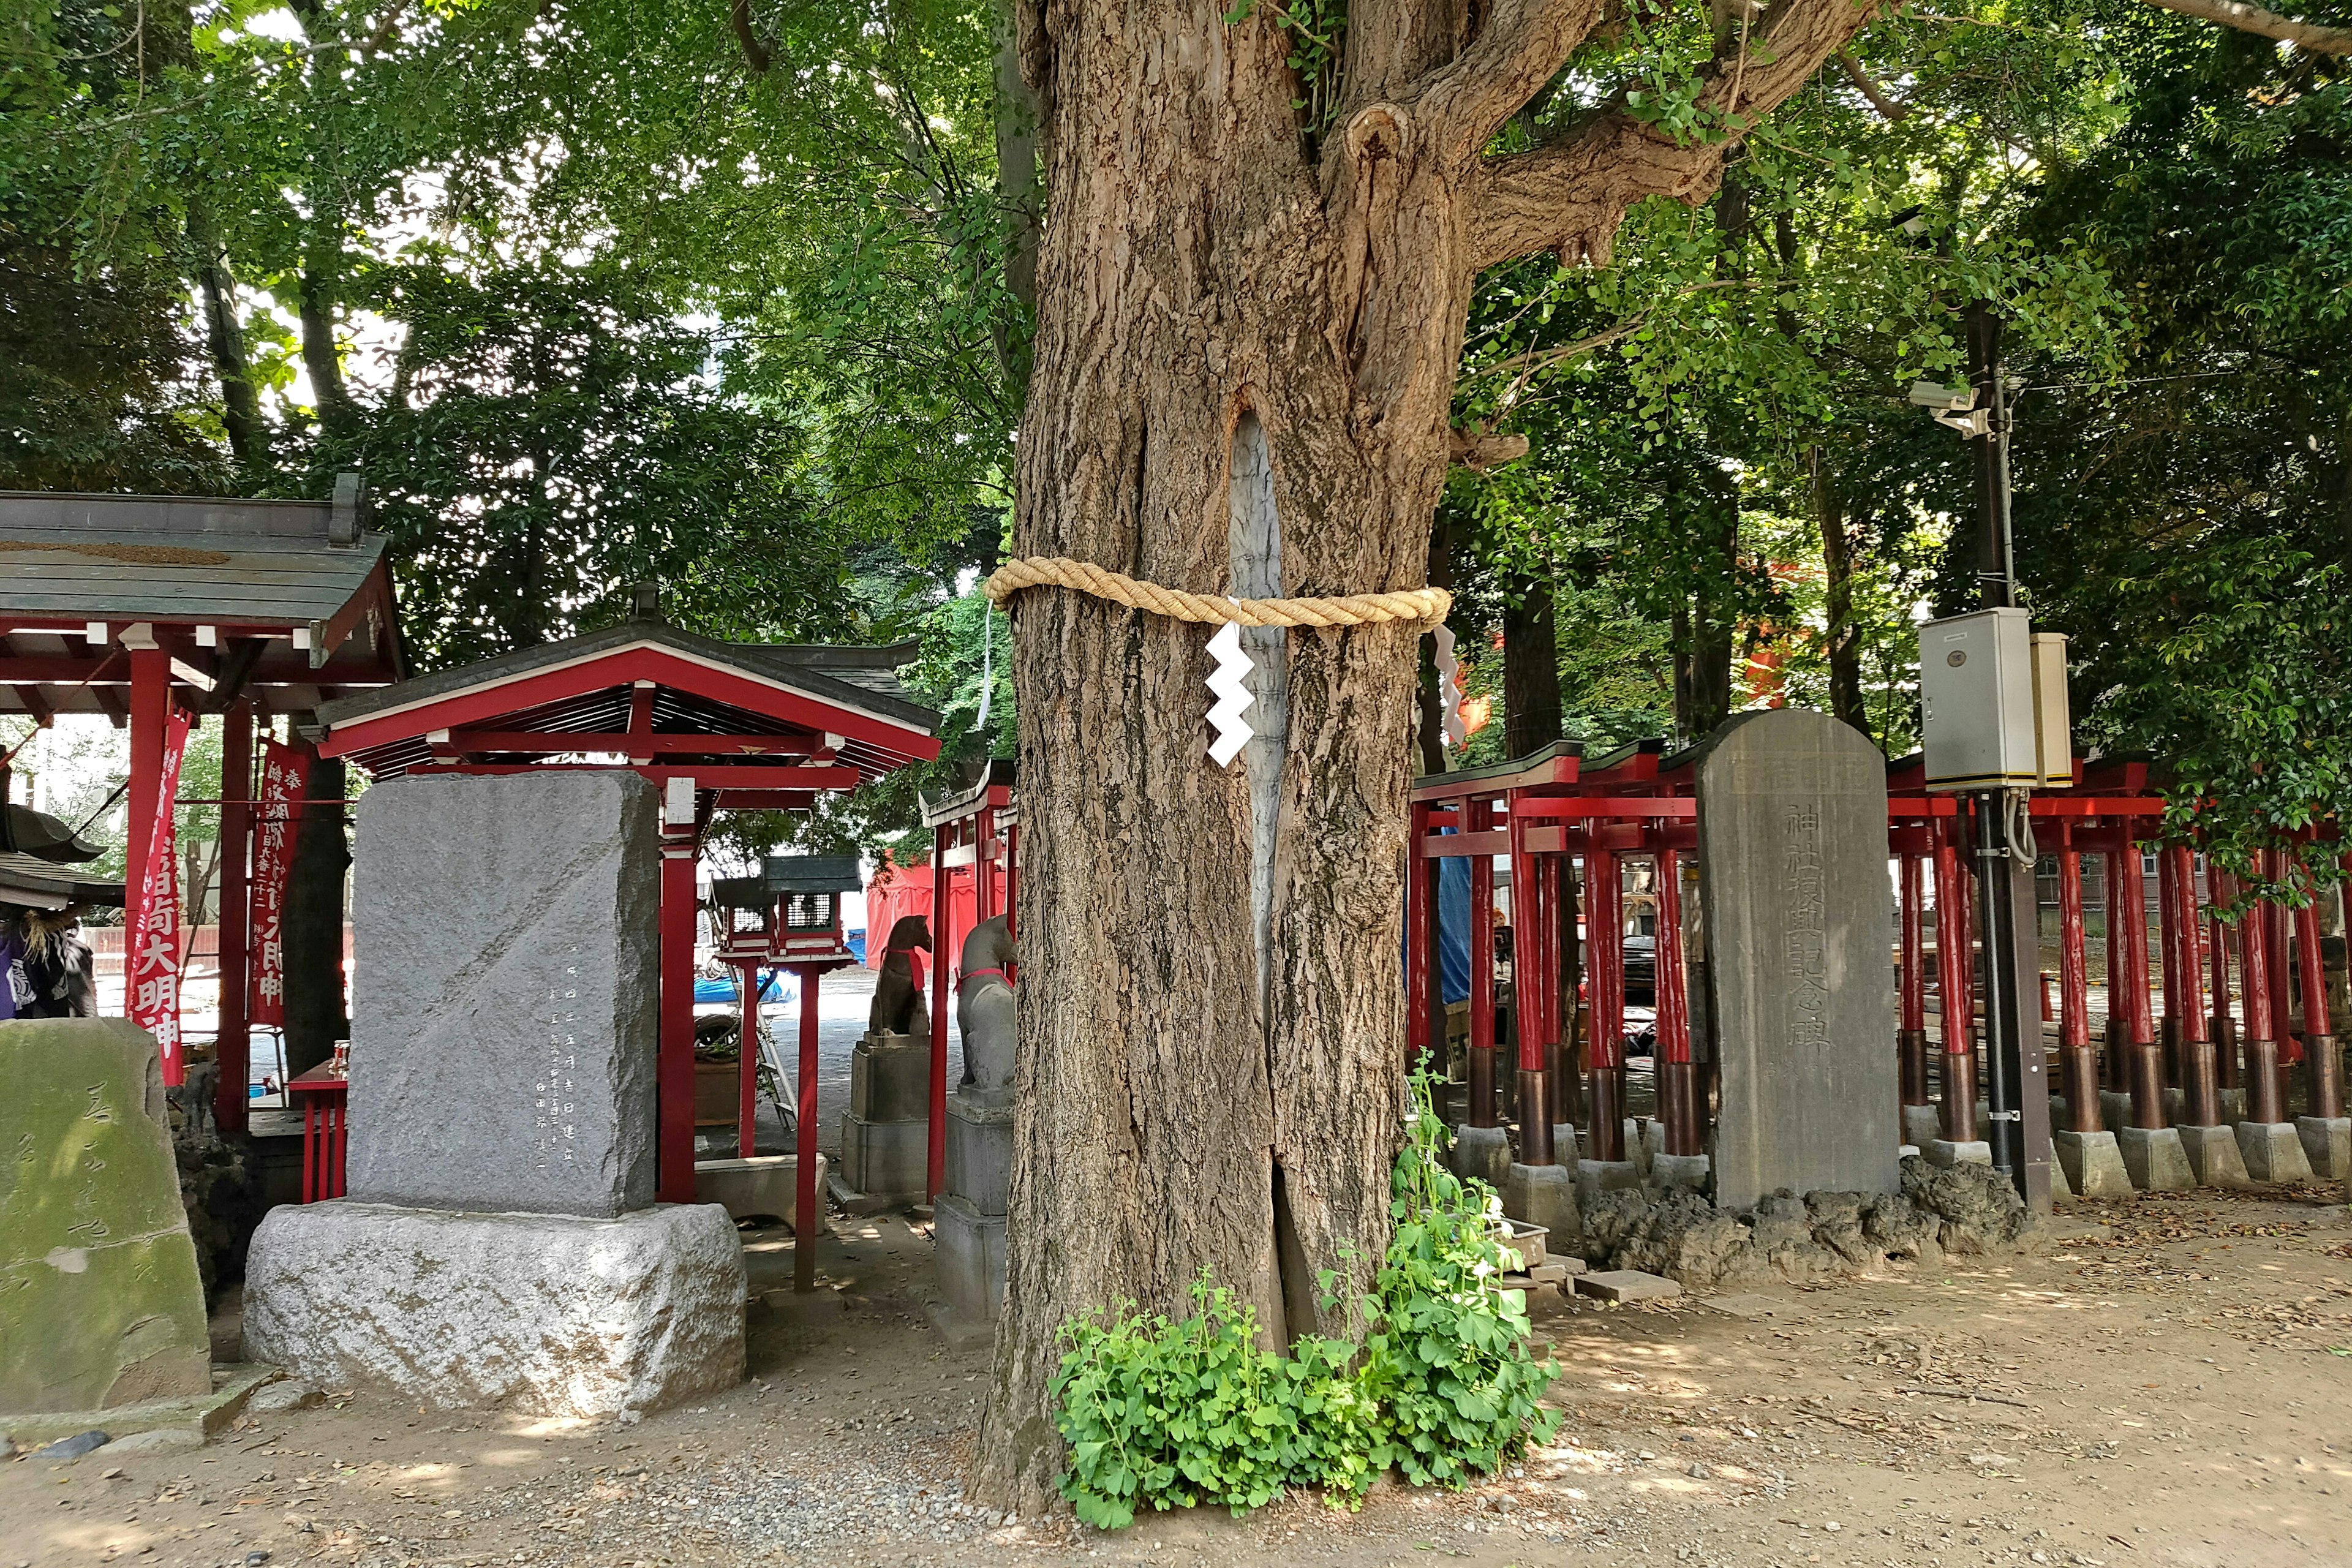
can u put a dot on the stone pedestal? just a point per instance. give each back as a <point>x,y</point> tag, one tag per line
<point>1947,1153</point>
<point>1483,1153</point>
<point>2157,1159</point>
<point>980,1153</point>
<point>1544,1195</point>
<point>2326,1144</point>
<point>2212,1155</point>
<point>1564,1146</point>
<point>2093,1165</point>
<point>2114,1108</point>
<point>762,1188</point>
<point>885,1132</point>
<point>2059,1186</point>
<point>1921,1123</point>
<point>541,1314</point>
<point>2273,1152</point>
<point>890,1078</point>
<point>971,1259</point>
<point>100,1305</point>
<point>1594,1177</point>
<point>1679,1173</point>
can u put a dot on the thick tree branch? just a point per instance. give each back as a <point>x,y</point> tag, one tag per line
<point>755,53</point>
<point>1571,195</point>
<point>2245,18</point>
<point>1887,108</point>
<point>1524,42</point>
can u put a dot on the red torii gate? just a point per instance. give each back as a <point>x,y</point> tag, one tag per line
<point>713,724</point>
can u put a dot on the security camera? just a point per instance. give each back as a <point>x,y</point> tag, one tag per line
<point>1943,399</point>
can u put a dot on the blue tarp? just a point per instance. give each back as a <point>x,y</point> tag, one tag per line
<point>1452,929</point>
<point>775,987</point>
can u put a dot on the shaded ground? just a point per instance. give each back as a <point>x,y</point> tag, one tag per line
<point>2169,1381</point>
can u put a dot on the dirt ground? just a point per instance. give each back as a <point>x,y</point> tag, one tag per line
<point>2166,1381</point>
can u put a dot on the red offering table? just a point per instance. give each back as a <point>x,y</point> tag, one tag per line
<point>323,1093</point>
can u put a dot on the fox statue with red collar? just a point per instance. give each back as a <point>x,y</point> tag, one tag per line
<point>901,1004</point>
<point>985,1011</point>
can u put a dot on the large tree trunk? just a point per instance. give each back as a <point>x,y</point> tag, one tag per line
<point>1531,711</point>
<point>1193,1094</point>
<point>1843,634</point>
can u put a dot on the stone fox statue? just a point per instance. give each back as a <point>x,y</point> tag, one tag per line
<point>984,1009</point>
<point>900,1006</point>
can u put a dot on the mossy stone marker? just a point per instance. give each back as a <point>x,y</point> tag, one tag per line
<point>100,1304</point>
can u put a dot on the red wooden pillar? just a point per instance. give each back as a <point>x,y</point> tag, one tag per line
<point>150,698</point>
<point>1530,986</point>
<point>1483,1112</point>
<point>2278,924</point>
<point>936,1147</point>
<point>2146,1064</point>
<point>1678,1106</point>
<point>674,1076</point>
<point>2225,1026</point>
<point>233,1048</point>
<point>1421,955</point>
<point>2078,1060</point>
<point>747,1060</point>
<point>2200,1090</point>
<point>1957,1022</point>
<point>2322,1057</point>
<point>2118,1040</point>
<point>1605,945</point>
<point>2169,902</point>
<point>807,1220</point>
<point>1559,928</point>
<point>2263,1103</point>
<point>1911,1034</point>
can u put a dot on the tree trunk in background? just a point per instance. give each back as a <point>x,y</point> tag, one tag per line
<point>1706,634</point>
<point>248,438</point>
<point>1185,1098</point>
<point>1843,635</point>
<point>1531,716</point>
<point>315,1016</point>
<point>1429,722</point>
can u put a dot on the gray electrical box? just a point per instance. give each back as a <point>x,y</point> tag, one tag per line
<point>2053,722</point>
<point>1976,702</point>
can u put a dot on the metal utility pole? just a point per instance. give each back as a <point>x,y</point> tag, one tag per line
<point>2015,1086</point>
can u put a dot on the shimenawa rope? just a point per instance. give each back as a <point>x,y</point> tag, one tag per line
<point>1424,606</point>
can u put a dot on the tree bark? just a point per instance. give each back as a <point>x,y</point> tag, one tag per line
<point>1531,707</point>
<point>1184,1103</point>
<point>248,438</point>
<point>1842,634</point>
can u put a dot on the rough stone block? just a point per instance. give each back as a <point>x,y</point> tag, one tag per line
<point>1483,1153</point>
<point>1626,1285</point>
<point>2273,1152</point>
<point>505,994</point>
<point>2212,1155</point>
<point>2059,1186</point>
<point>1921,1122</point>
<point>1946,1152</point>
<point>100,1304</point>
<point>2326,1144</point>
<point>766,1187</point>
<point>980,1153</point>
<point>885,1160</point>
<point>2114,1108</point>
<point>541,1314</point>
<point>2155,1158</point>
<point>1594,1177</point>
<point>2093,1164</point>
<point>1564,1147</point>
<point>890,1078</point>
<point>1544,1196</point>
<point>1679,1173</point>
<point>1794,865</point>
<point>970,1251</point>
<point>2233,1105</point>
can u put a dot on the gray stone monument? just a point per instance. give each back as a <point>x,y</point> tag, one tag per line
<point>1793,866</point>
<point>101,1306</point>
<point>500,1244</point>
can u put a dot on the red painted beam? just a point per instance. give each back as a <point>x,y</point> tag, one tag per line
<point>640,743</point>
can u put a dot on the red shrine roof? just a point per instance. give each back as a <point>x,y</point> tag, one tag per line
<point>756,724</point>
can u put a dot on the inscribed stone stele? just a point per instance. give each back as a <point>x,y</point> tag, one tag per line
<point>100,1305</point>
<point>505,993</point>
<point>1793,867</point>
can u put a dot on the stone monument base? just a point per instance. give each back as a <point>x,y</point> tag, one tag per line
<point>1483,1153</point>
<point>2157,1159</point>
<point>2092,1164</point>
<point>2326,1144</point>
<point>1544,1196</point>
<point>2273,1151</point>
<point>882,1163</point>
<point>980,1153</point>
<point>971,1258</point>
<point>543,1314</point>
<point>2212,1154</point>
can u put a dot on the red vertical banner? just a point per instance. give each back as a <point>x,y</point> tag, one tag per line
<point>151,945</point>
<point>285,778</point>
